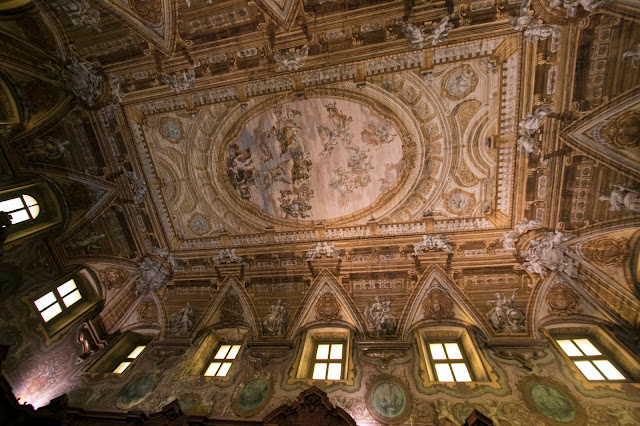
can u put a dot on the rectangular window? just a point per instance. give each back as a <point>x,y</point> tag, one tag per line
<point>21,208</point>
<point>448,362</point>
<point>222,360</point>
<point>130,358</point>
<point>328,361</point>
<point>51,303</point>
<point>589,360</point>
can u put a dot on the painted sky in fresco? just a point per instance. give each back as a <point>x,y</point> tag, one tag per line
<point>315,159</point>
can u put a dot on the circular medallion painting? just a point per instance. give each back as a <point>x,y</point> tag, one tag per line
<point>389,400</point>
<point>252,394</point>
<point>315,159</point>
<point>137,390</point>
<point>459,82</point>
<point>552,403</point>
<point>171,129</point>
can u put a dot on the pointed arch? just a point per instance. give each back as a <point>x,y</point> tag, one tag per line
<point>326,281</point>
<point>229,284</point>
<point>412,316</point>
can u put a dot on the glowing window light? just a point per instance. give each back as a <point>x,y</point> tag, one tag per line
<point>449,371</point>
<point>590,360</point>
<point>21,208</point>
<point>224,353</point>
<point>326,369</point>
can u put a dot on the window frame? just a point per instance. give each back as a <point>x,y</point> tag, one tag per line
<point>222,361</point>
<point>301,370</point>
<point>69,316</point>
<point>624,359</point>
<point>602,356</point>
<point>25,207</point>
<point>59,300</point>
<point>448,361</point>
<point>118,352</point>
<point>315,360</point>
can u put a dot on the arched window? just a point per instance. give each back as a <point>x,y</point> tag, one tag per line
<point>21,208</point>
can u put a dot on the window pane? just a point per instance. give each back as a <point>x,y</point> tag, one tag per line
<point>443,373</point>
<point>66,288</point>
<point>611,372</point>
<point>453,350</point>
<point>35,211</point>
<point>336,351</point>
<point>19,216</point>
<point>134,353</point>
<point>213,369</point>
<point>72,298</point>
<point>51,312</point>
<point>29,200</point>
<point>233,352</point>
<point>222,352</point>
<point>123,366</point>
<point>437,351</point>
<point>589,371</point>
<point>461,372</point>
<point>323,352</point>
<point>319,371</point>
<point>569,348</point>
<point>11,205</point>
<point>587,347</point>
<point>335,371</point>
<point>224,369</point>
<point>45,301</point>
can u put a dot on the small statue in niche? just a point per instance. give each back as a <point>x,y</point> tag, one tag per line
<point>181,322</point>
<point>381,321</point>
<point>506,315</point>
<point>621,198</point>
<point>276,322</point>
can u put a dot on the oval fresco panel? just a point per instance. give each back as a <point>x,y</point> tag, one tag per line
<point>389,400</point>
<point>315,159</point>
<point>137,390</point>
<point>552,403</point>
<point>252,394</point>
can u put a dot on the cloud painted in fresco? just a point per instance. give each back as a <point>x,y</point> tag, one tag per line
<point>315,159</point>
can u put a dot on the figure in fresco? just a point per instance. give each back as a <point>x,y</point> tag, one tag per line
<point>46,149</point>
<point>379,134</point>
<point>181,322</point>
<point>620,197</point>
<point>381,321</point>
<point>276,322</point>
<point>241,170</point>
<point>86,243</point>
<point>506,315</point>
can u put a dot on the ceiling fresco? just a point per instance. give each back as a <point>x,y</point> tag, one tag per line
<point>277,172</point>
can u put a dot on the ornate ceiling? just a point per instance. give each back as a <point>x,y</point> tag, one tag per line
<point>283,149</point>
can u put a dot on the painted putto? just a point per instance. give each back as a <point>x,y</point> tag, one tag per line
<point>315,159</point>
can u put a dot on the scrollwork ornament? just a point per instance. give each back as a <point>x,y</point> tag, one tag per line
<point>328,308</point>
<point>563,300</point>
<point>437,304</point>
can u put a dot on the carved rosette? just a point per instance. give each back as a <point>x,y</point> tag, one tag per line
<point>328,308</point>
<point>149,10</point>
<point>231,309</point>
<point>563,300</point>
<point>437,304</point>
<point>147,311</point>
<point>606,251</point>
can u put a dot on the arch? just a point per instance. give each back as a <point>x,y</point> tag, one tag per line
<point>463,312</point>
<point>326,282</point>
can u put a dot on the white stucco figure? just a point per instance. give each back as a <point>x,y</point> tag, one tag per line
<point>275,324</point>
<point>633,55</point>
<point>291,61</point>
<point>572,5</point>
<point>526,224</point>
<point>550,254</point>
<point>179,82</point>
<point>535,32</point>
<point>528,144</point>
<point>509,239</point>
<point>116,90</point>
<point>381,321</point>
<point>79,12</point>
<point>532,122</point>
<point>226,256</point>
<point>432,243</point>
<point>181,322</point>
<point>522,17</point>
<point>414,35</point>
<point>506,315</point>
<point>322,249</point>
<point>440,32</point>
<point>621,198</point>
